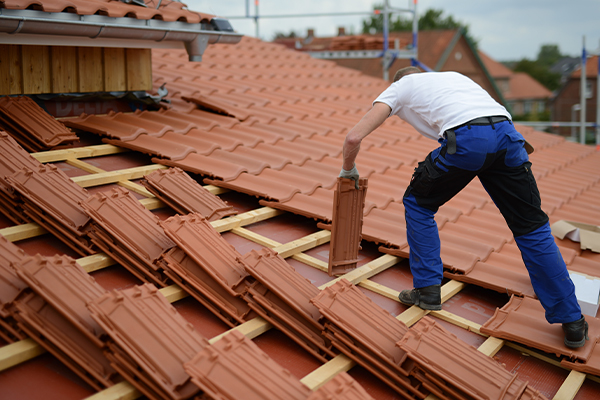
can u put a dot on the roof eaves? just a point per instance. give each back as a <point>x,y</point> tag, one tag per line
<point>23,26</point>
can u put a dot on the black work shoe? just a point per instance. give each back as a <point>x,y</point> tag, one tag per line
<point>576,333</point>
<point>428,298</point>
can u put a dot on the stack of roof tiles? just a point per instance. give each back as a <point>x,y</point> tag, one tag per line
<point>34,129</point>
<point>417,361</point>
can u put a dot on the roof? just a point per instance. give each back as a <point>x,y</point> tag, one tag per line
<point>262,126</point>
<point>167,10</point>
<point>496,69</point>
<point>591,68</point>
<point>521,86</point>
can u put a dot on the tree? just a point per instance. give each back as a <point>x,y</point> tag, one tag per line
<point>430,20</point>
<point>549,55</point>
<point>539,69</point>
<point>280,35</point>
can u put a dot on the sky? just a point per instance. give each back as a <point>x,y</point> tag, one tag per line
<point>506,30</point>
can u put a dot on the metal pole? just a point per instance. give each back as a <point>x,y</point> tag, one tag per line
<point>598,99</point>
<point>415,29</point>
<point>583,96</point>
<point>386,30</point>
<point>256,17</point>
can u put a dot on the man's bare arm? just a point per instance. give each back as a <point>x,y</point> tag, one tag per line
<point>368,123</point>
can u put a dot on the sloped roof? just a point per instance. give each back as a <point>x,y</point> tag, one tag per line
<point>591,68</point>
<point>263,120</point>
<point>167,10</point>
<point>521,85</point>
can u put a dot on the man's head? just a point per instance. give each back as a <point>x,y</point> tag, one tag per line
<point>405,71</point>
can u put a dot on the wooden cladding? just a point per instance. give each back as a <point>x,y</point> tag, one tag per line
<point>26,69</point>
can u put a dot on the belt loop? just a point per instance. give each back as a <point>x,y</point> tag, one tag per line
<point>492,122</point>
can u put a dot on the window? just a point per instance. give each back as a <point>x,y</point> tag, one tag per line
<point>588,89</point>
<point>527,107</point>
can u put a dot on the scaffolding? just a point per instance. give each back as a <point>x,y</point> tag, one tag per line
<point>583,95</point>
<point>389,55</point>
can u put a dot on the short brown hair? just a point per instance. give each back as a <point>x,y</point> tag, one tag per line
<point>405,71</point>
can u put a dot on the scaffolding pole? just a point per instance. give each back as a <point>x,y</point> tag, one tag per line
<point>582,94</point>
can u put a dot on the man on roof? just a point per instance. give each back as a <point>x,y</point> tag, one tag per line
<point>477,139</point>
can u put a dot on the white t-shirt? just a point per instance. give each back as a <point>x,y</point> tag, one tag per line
<point>434,102</point>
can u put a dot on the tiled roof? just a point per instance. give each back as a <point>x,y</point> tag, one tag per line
<point>166,10</point>
<point>521,86</point>
<point>270,122</point>
<point>591,68</point>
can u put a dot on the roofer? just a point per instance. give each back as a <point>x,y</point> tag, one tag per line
<point>477,138</point>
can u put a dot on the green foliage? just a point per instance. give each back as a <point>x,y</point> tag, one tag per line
<point>540,68</point>
<point>280,35</point>
<point>432,19</point>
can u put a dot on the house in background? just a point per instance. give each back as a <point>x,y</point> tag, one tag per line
<point>440,50</point>
<point>566,105</point>
<point>526,98</point>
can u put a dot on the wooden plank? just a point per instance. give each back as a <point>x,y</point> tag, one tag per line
<point>81,152</point>
<point>327,371</point>
<point>152,203</point>
<point>379,289</point>
<point>5,69</point>
<point>64,69</point>
<point>95,262</point>
<point>173,293</point>
<point>305,243</point>
<point>115,176</point>
<point>90,69</point>
<point>491,346</point>
<point>23,231</point>
<point>36,70</point>
<point>246,218</point>
<point>115,78</point>
<point>139,69</point>
<point>121,391</point>
<point>18,352</point>
<point>568,390</point>
<point>15,70</point>
<point>458,321</point>
<point>366,271</point>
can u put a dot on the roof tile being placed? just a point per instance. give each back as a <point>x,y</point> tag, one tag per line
<point>184,195</point>
<point>126,227</point>
<point>522,320</point>
<point>282,296</point>
<point>346,225</point>
<point>366,333</point>
<point>450,368</point>
<point>152,341</point>
<point>234,368</point>
<point>61,321</point>
<point>263,185</point>
<point>31,126</point>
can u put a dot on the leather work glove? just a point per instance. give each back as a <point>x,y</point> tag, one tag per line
<point>351,174</point>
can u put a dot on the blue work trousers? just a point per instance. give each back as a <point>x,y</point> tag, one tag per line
<point>494,153</point>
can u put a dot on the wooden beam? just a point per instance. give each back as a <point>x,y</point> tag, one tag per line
<point>491,346</point>
<point>115,176</point>
<point>15,69</point>
<point>330,369</point>
<point>18,352</point>
<point>568,390</point>
<point>302,244</point>
<point>95,262</point>
<point>22,232</point>
<point>121,391</point>
<point>173,293</point>
<point>81,152</point>
<point>246,218</point>
<point>366,271</point>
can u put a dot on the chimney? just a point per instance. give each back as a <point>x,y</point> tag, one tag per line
<point>310,33</point>
<point>341,31</point>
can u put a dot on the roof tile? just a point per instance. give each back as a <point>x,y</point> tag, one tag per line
<point>185,195</point>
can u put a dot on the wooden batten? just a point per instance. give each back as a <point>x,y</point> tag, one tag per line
<point>34,69</point>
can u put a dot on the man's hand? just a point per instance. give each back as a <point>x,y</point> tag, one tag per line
<point>351,174</point>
